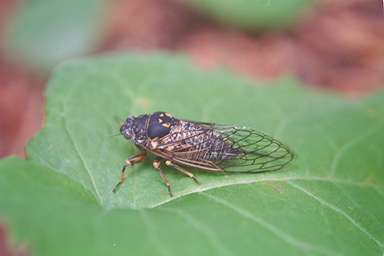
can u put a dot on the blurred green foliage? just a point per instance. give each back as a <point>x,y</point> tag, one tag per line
<point>45,32</point>
<point>255,14</point>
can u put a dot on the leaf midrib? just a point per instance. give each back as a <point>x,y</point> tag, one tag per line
<point>275,179</point>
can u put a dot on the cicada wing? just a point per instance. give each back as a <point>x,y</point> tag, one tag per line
<point>224,147</point>
<point>259,152</point>
<point>253,151</point>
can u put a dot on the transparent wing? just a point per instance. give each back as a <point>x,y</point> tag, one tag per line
<point>259,152</point>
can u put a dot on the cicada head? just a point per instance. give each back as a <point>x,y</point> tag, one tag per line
<point>134,128</point>
<point>149,126</point>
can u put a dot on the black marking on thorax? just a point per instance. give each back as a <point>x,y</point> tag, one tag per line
<point>160,124</point>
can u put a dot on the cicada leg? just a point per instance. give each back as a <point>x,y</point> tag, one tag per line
<point>182,170</point>
<point>129,162</point>
<point>156,165</point>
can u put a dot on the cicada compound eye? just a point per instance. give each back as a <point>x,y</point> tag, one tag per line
<point>126,128</point>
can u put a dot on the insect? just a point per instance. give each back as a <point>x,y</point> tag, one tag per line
<point>216,148</point>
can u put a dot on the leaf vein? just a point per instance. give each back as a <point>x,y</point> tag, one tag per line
<point>340,153</point>
<point>304,246</point>
<point>83,162</point>
<point>153,237</point>
<point>338,210</point>
<point>209,233</point>
<point>270,179</point>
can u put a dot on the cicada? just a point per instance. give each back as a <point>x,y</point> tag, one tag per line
<point>211,147</point>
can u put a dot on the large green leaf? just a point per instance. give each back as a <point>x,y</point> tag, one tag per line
<point>328,202</point>
<point>84,97</point>
<point>45,32</point>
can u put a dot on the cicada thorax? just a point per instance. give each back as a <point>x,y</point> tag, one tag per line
<point>160,124</point>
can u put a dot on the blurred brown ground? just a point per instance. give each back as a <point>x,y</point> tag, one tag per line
<point>339,46</point>
<point>8,249</point>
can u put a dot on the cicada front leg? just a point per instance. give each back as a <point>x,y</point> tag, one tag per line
<point>129,162</point>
